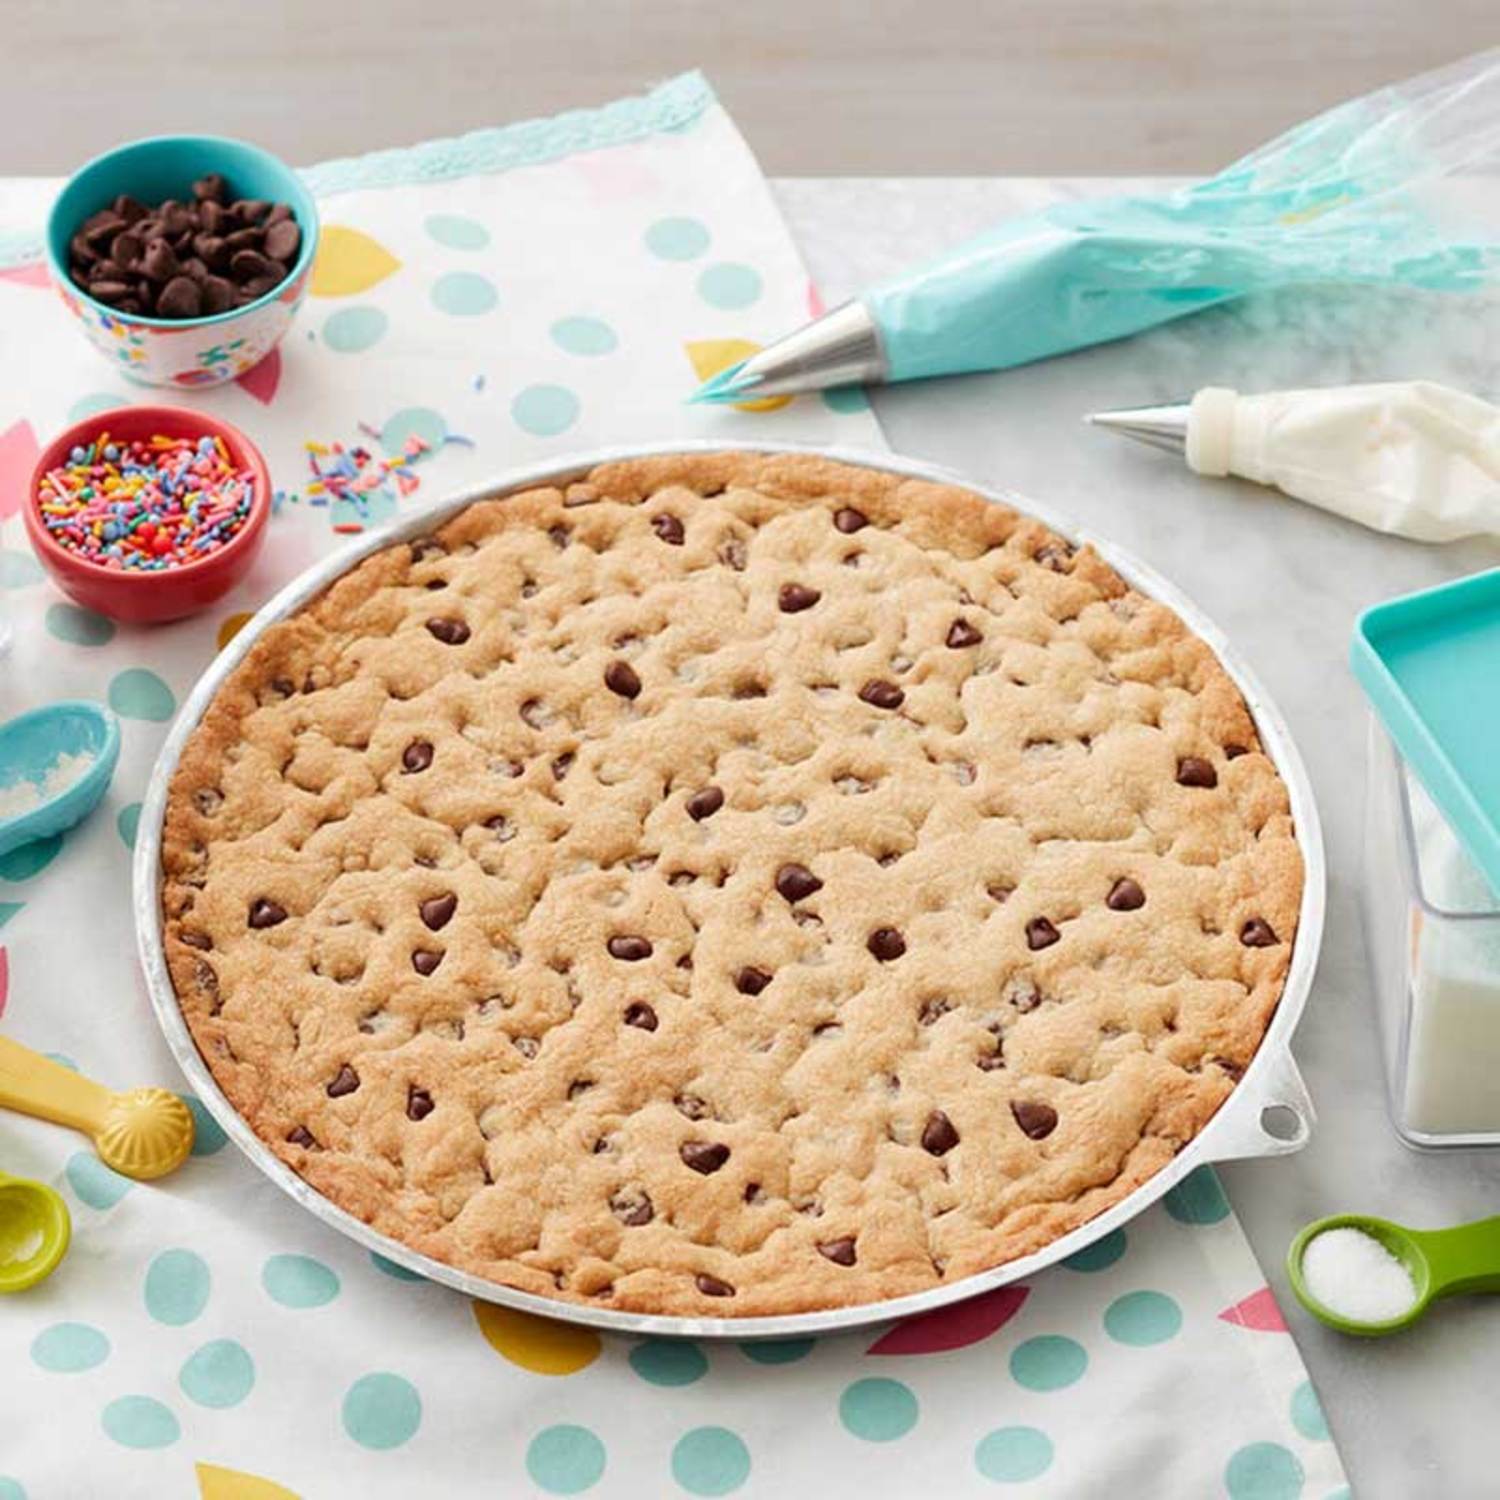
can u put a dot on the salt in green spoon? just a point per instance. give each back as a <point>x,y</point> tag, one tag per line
<point>1441,1262</point>
<point>35,1228</point>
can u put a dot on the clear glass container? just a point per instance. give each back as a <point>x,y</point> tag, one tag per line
<point>1432,930</point>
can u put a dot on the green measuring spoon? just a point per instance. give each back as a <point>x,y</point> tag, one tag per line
<point>1442,1263</point>
<point>34,1232</point>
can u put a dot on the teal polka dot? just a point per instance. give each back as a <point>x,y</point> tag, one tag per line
<point>352,330</point>
<point>584,336</point>
<point>545,410</point>
<point>710,1461</point>
<point>298,1281</point>
<point>1198,1198</point>
<point>177,1284</point>
<point>1012,1455</point>
<point>1264,1471</point>
<point>1142,1318</point>
<point>878,1410</point>
<point>1307,1413</point>
<point>565,1460</point>
<point>99,1186</point>
<point>208,1135</point>
<point>219,1374</point>
<point>127,822</point>
<point>464,294</point>
<point>669,1362</point>
<point>79,627</point>
<point>11,1489</point>
<point>93,403</point>
<point>382,1411</point>
<point>1100,1255</point>
<point>391,1269</point>
<point>456,232</point>
<point>139,694</point>
<point>65,1348</point>
<point>140,1422</point>
<point>8,909</point>
<point>677,239</point>
<point>729,287</point>
<point>30,859</point>
<point>845,399</point>
<point>1048,1363</point>
<point>19,570</point>
<point>414,421</point>
<point>778,1351</point>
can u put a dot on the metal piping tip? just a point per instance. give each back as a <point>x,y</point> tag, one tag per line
<point>1161,426</point>
<point>840,348</point>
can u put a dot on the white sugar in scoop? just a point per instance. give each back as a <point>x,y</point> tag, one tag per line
<point>1353,1275</point>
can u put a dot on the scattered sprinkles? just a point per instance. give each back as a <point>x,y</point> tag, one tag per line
<point>146,505</point>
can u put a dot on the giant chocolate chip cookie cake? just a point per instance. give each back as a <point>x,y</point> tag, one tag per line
<point>729,884</point>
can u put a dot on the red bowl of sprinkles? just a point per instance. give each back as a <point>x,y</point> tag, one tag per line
<point>148,513</point>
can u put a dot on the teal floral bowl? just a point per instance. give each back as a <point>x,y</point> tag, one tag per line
<point>191,352</point>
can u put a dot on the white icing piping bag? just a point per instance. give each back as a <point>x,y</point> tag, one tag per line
<point>1410,458</point>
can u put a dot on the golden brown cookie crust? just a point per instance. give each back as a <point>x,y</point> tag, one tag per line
<point>635,1061</point>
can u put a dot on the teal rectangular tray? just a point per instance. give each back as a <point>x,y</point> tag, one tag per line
<point>1430,666</point>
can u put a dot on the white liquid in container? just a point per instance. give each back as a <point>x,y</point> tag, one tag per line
<point>1453,1056</point>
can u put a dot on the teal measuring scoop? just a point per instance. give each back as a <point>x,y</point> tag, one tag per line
<point>1427,663</point>
<point>1441,1262</point>
<point>32,743</point>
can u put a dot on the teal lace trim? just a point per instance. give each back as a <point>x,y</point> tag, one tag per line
<point>671,106</point>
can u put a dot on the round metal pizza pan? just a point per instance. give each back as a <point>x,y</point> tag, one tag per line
<point>1269,1112</point>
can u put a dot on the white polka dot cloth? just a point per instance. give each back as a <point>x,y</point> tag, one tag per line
<point>479,304</point>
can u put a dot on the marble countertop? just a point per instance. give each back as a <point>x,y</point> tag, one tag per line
<point>1411,1414</point>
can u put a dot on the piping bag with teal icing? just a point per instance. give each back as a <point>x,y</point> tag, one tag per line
<point>1361,194</point>
<point>1411,458</point>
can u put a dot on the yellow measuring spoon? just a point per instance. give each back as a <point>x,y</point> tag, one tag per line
<point>34,1232</point>
<point>143,1133</point>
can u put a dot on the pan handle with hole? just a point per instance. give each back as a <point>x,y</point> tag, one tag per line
<point>1283,1123</point>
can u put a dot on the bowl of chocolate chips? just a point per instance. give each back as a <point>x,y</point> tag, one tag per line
<point>184,257</point>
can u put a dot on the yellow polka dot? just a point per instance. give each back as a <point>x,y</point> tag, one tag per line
<point>232,626</point>
<point>536,1344</point>
<point>709,356</point>
<point>215,1483</point>
<point>349,261</point>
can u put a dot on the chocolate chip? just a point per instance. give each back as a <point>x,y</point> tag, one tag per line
<point>129,208</point>
<point>345,1082</point>
<point>218,295</point>
<point>704,1156</point>
<point>668,528</point>
<point>1040,933</point>
<point>629,948</point>
<point>209,188</point>
<point>1258,933</point>
<point>249,265</point>
<point>1036,1119</point>
<point>796,882</point>
<point>266,913</point>
<point>704,803</point>
<point>437,911</point>
<point>620,677</point>
<point>879,693</point>
<point>300,1135</point>
<point>848,520</point>
<point>795,597</point>
<point>711,1286</point>
<point>100,228</point>
<point>126,249</point>
<point>449,631</point>
<point>417,756</point>
<point>283,240</point>
<point>160,261</point>
<point>961,634</point>
<point>840,1252</point>
<point>196,939</point>
<point>886,944</point>
<point>419,1104</point>
<point>1125,895</point>
<point>1192,770</point>
<point>640,1015</point>
<point>1233,752</point>
<point>562,764</point>
<point>632,1208</point>
<point>109,291</point>
<point>750,980</point>
<point>938,1135</point>
<point>426,960</point>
